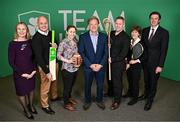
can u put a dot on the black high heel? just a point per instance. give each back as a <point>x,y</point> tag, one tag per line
<point>28,116</point>
<point>34,112</point>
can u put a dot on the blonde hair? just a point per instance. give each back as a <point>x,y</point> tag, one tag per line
<point>28,36</point>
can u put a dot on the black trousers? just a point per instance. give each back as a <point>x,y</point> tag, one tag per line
<point>69,79</point>
<point>117,74</point>
<point>150,80</point>
<point>133,76</point>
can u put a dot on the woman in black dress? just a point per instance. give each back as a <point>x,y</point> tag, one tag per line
<point>21,60</point>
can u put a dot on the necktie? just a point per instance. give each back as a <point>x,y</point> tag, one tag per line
<point>152,34</point>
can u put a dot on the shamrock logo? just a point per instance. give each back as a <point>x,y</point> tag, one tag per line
<point>32,25</point>
<point>30,17</point>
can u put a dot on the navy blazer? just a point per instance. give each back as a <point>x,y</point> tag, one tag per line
<point>87,52</point>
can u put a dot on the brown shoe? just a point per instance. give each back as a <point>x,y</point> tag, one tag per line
<point>115,105</point>
<point>69,107</point>
<point>73,101</point>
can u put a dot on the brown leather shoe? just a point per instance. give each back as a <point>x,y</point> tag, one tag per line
<point>73,101</point>
<point>115,105</point>
<point>69,107</point>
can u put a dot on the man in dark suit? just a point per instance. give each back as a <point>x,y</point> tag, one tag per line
<point>93,49</point>
<point>156,41</point>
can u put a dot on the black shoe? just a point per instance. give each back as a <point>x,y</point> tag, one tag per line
<point>56,99</point>
<point>142,97</point>
<point>86,106</point>
<point>133,101</point>
<point>148,106</point>
<point>34,111</point>
<point>101,105</point>
<point>28,115</point>
<point>48,110</point>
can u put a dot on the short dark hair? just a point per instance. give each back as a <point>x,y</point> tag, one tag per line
<point>155,12</point>
<point>71,26</point>
<point>120,17</point>
<point>91,18</point>
<point>137,28</point>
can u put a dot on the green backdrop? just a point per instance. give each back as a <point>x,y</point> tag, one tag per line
<point>63,12</point>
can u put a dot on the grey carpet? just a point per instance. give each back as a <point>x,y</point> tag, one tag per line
<point>166,106</point>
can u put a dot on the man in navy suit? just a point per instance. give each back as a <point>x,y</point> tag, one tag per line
<point>156,41</point>
<point>93,49</point>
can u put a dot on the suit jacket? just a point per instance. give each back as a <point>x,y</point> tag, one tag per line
<point>156,49</point>
<point>87,52</point>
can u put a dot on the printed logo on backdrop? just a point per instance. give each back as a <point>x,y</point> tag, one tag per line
<point>30,18</point>
<point>78,19</point>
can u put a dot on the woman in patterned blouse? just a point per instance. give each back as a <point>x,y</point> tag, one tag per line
<point>66,50</point>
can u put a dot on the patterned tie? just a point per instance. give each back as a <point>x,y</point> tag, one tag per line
<point>152,34</point>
